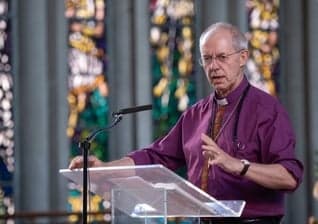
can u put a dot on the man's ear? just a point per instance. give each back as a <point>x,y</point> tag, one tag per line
<point>244,57</point>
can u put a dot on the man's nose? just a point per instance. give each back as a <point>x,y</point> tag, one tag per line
<point>213,64</point>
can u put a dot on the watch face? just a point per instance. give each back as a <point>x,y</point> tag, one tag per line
<point>245,162</point>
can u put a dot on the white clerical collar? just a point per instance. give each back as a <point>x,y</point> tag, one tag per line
<point>222,102</point>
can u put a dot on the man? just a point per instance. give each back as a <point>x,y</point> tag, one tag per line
<point>237,144</point>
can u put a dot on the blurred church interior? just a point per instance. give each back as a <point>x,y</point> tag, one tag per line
<point>67,65</point>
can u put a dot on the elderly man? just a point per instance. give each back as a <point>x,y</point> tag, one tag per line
<point>237,143</point>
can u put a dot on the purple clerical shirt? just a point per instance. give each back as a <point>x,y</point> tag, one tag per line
<point>264,135</point>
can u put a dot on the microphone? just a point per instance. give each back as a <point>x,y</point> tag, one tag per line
<point>133,110</point>
<point>117,118</point>
<point>85,146</point>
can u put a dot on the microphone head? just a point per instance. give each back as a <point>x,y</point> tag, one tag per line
<point>133,109</point>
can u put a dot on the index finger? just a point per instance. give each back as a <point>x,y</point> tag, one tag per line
<point>76,162</point>
<point>206,139</point>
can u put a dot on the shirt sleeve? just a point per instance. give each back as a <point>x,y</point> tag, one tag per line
<point>278,142</point>
<point>167,150</point>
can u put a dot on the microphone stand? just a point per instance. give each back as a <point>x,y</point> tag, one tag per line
<point>85,147</point>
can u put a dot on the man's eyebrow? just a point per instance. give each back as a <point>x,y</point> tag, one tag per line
<point>207,54</point>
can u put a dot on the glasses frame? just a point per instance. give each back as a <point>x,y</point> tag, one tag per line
<point>222,58</point>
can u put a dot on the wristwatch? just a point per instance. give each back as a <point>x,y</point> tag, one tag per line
<point>246,164</point>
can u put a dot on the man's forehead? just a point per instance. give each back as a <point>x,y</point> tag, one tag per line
<point>216,43</point>
<point>217,34</point>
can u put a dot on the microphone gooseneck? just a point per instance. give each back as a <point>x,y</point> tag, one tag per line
<point>86,144</point>
<point>117,119</point>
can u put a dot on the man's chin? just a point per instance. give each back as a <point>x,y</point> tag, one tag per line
<point>218,86</point>
<point>220,89</point>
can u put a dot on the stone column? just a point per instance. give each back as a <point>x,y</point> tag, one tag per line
<point>296,82</point>
<point>40,104</point>
<point>129,73</point>
<point>143,72</point>
<point>311,80</point>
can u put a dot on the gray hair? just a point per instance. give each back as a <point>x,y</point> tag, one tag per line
<point>239,40</point>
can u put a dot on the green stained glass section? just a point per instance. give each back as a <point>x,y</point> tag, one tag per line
<point>172,49</point>
<point>88,87</point>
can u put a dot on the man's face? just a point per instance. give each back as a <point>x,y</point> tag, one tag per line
<point>223,65</point>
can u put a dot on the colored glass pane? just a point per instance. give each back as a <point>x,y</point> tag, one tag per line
<point>263,66</point>
<point>88,89</point>
<point>172,48</point>
<point>6,114</point>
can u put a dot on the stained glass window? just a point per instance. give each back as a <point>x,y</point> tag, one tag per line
<point>88,90</point>
<point>263,66</point>
<point>6,114</point>
<point>172,45</point>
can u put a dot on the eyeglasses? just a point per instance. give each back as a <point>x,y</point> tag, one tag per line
<point>222,58</point>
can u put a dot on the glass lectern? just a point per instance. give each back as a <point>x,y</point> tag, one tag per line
<point>152,191</point>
